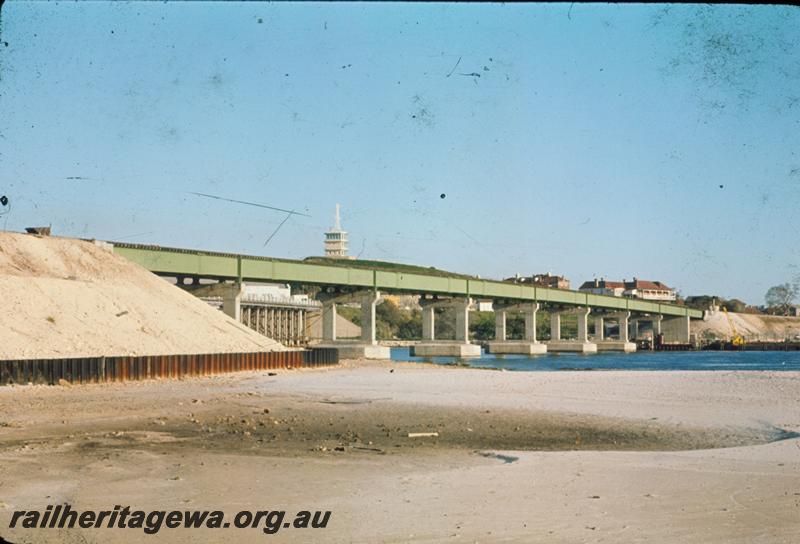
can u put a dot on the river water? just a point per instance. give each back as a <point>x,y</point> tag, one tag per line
<point>644,360</point>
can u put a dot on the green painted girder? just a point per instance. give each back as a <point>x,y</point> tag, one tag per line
<point>206,264</point>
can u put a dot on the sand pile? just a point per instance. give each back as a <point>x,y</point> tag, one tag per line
<point>751,326</point>
<point>70,298</point>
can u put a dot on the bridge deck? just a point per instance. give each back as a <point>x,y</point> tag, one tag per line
<point>207,264</point>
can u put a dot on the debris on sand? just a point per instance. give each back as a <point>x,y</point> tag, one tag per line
<point>507,459</point>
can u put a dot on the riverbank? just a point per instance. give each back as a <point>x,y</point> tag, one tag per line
<point>519,457</point>
<point>702,360</point>
<point>752,327</point>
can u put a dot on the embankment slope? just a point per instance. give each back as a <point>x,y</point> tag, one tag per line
<point>751,326</point>
<point>63,297</point>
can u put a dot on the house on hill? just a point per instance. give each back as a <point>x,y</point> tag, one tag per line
<point>603,287</point>
<point>636,288</point>
<point>541,280</point>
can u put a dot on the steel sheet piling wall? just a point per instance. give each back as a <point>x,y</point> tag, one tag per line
<point>120,369</point>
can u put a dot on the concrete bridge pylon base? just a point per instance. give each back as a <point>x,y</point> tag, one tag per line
<point>358,350</point>
<point>446,349</point>
<point>519,346</point>
<point>573,346</point>
<point>616,345</point>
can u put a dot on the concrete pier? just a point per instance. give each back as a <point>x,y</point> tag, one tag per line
<point>357,350</point>
<point>616,345</point>
<point>528,345</point>
<point>367,347</point>
<point>656,321</point>
<point>368,303</point>
<point>230,293</point>
<point>444,348</point>
<point>428,323</point>
<point>655,326</point>
<point>571,346</point>
<point>461,309</point>
<point>499,324</point>
<point>329,321</point>
<point>621,343</point>
<point>460,346</point>
<point>581,344</point>
<point>555,326</point>
<point>600,328</point>
<point>517,346</point>
<point>633,329</point>
<point>232,301</point>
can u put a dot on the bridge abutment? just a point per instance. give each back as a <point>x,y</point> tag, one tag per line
<point>676,329</point>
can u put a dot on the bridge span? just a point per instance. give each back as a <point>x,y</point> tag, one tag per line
<point>352,283</point>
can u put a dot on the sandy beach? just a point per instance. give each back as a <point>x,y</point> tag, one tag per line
<point>614,456</point>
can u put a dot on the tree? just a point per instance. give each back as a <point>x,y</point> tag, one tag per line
<point>515,327</point>
<point>781,296</point>
<point>702,302</point>
<point>411,329</point>
<point>389,312</point>
<point>394,322</point>
<point>481,325</point>
<point>734,305</point>
<point>444,323</point>
<point>391,321</point>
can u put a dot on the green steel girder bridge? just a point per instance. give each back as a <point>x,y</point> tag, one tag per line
<point>226,266</point>
<point>435,289</point>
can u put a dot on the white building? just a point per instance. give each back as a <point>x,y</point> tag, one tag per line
<point>336,240</point>
<point>603,287</point>
<point>649,290</point>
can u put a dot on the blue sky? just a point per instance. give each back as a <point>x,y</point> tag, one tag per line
<point>651,141</point>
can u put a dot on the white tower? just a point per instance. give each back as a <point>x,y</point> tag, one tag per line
<point>336,240</point>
